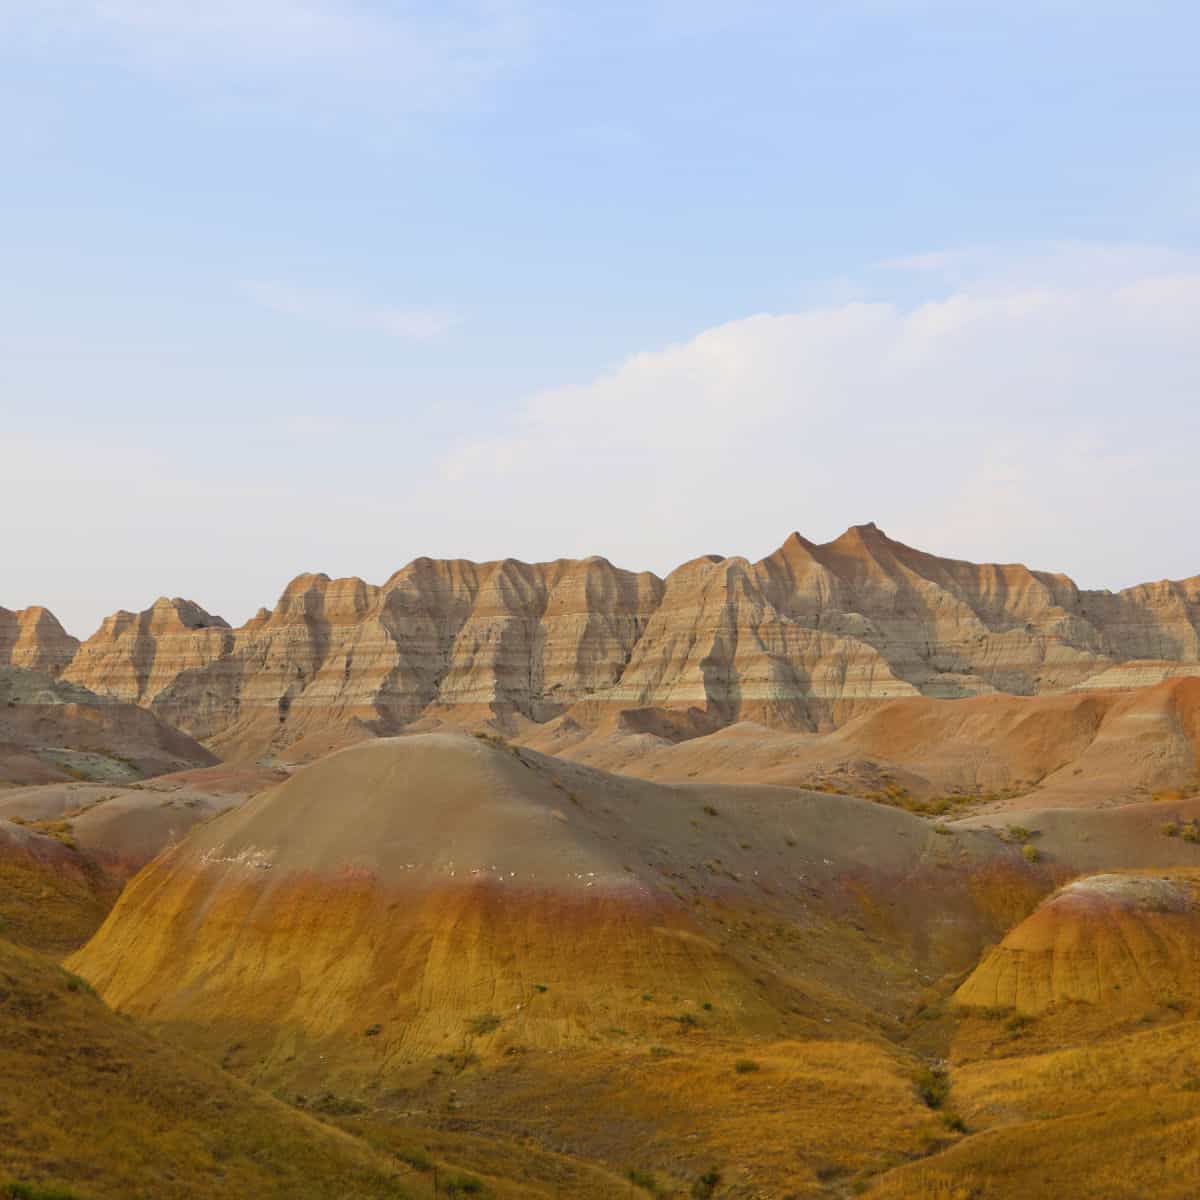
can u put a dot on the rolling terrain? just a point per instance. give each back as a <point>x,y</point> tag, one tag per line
<point>851,871</point>
<point>458,936</point>
<point>1084,749</point>
<point>95,1105</point>
<point>53,731</point>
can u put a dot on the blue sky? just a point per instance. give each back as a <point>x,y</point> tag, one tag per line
<point>324,285</point>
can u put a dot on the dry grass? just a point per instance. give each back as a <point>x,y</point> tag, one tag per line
<point>792,1127</point>
<point>93,1105</point>
<point>49,908</point>
<point>1111,1118</point>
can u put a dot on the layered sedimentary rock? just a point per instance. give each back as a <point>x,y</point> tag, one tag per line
<point>133,656</point>
<point>437,888</point>
<point>33,639</point>
<point>52,730</point>
<point>1121,941</point>
<point>1075,748</point>
<point>804,639</point>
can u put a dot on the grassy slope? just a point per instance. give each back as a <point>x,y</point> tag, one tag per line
<point>1059,1107</point>
<point>50,897</point>
<point>93,1104</point>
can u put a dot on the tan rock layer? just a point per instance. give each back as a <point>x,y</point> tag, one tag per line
<point>33,639</point>
<point>803,639</point>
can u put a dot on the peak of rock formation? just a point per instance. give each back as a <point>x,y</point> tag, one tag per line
<point>804,639</point>
<point>33,639</point>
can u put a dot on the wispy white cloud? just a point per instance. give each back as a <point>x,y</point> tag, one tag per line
<point>1036,415</point>
<point>420,56</point>
<point>339,310</point>
<point>1066,264</point>
<point>1051,421</point>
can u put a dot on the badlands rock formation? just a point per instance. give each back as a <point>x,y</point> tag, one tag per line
<point>441,890</point>
<point>51,730</point>
<point>1121,941</point>
<point>1078,748</point>
<point>804,640</point>
<point>33,639</point>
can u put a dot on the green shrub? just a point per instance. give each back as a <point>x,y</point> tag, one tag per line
<point>1031,853</point>
<point>463,1185</point>
<point>744,1066</point>
<point>707,1184</point>
<point>644,1180</point>
<point>416,1158</point>
<point>933,1086</point>
<point>483,1024</point>
<point>76,984</point>
<point>337,1106</point>
<point>953,1121</point>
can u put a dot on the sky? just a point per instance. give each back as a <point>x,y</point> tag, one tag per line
<point>327,285</point>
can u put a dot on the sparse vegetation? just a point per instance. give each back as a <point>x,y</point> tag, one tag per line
<point>1031,853</point>
<point>707,1184</point>
<point>331,1105</point>
<point>484,1024</point>
<point>745,1066</point>
<point>76,984</point>
<point>463,1185</point>
<point>645,1180</point>
<point>933,1085</point>
<point>415,1157</point>
<point>953,1121</point>
<point>29,1191</point>
<point>89,1099</point>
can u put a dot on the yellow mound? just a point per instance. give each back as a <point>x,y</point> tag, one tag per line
<point>449,895</point>
<point>435,890</point>
<point>1115,940</point>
